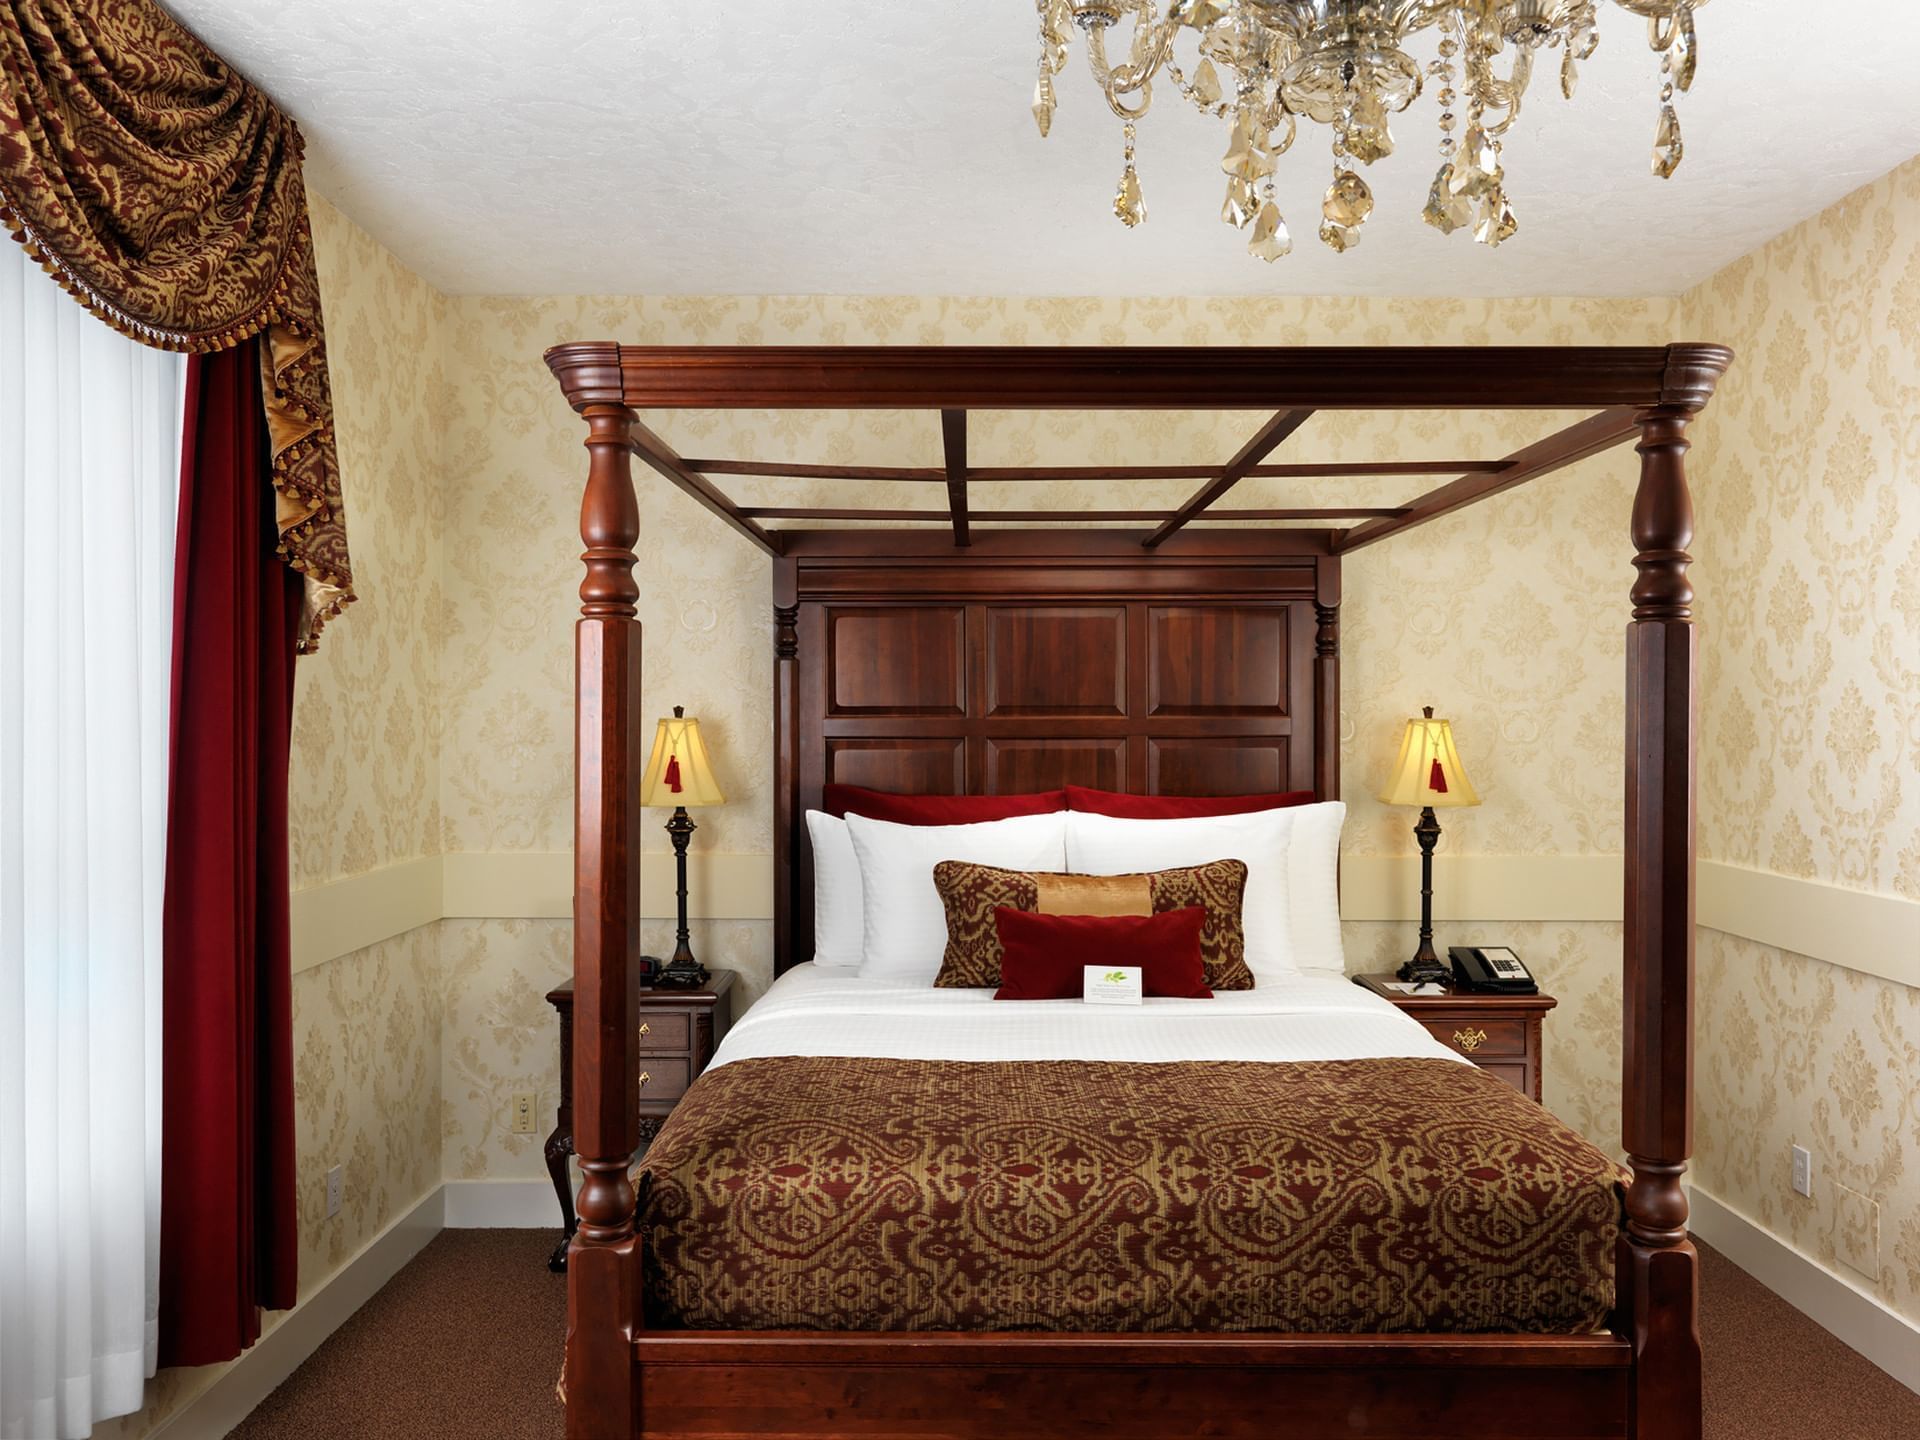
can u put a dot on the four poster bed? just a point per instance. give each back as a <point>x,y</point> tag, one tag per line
<point>1160,660</point>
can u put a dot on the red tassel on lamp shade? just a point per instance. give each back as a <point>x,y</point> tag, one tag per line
<point>1437,782</point>
<point>672,776</point>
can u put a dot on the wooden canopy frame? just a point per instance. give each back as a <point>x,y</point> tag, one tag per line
<point>1640,1380</point>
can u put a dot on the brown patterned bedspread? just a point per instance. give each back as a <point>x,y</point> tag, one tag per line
<point>1344,1196</point>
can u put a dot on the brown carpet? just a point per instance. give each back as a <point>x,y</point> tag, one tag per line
<point>465,1342</point>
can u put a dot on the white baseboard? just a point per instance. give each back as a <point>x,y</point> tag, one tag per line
<point>257,1373</point>
<point>501,1205</point>
<point>1831,1301</point>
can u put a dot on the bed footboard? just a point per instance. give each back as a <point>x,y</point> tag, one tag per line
<point>773,1385</point>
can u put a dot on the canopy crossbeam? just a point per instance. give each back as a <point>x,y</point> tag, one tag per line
<point>1616,385</point>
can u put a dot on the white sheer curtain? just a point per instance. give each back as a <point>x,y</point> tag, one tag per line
<point>89,476</point>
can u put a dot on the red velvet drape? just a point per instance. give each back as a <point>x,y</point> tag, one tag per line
<point>228,1214</point>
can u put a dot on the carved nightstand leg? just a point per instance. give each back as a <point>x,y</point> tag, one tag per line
<point>559,1151</point>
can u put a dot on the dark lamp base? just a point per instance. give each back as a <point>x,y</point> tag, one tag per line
<point>682,972</point>
<point>1425,970</point>
<point>1425,967</point>
<point>690,976</point>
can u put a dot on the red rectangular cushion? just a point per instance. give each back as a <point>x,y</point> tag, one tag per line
<point>1178,807</point>
<point>1043,956</point>
<point>842,800</point>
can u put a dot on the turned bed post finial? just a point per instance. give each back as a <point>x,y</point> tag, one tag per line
<point>1657,1274</point>
<point>1663,518</point>
<point>609,515</point>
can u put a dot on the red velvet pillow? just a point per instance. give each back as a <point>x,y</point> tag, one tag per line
<point>1042,956</point>
<point>844,800</point>
<point>1176,807</point>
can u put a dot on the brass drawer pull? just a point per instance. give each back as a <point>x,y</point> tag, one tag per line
<point>644,1077</point>
<point>645,1029</point>
<point>1469,1040</point>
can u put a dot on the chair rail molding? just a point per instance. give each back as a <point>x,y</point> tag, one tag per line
<point>1873,933</point>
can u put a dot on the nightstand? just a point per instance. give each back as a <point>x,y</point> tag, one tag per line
<point>1499,1033</point>
<point>678,1032</point>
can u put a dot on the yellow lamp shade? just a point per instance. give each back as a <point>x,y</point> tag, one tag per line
<point>1428,771</point>
<point>678,771</point>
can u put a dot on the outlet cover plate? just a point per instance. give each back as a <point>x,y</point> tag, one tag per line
<point>336,1188</point>
<point>1856,1231</point>
<point>1802,1171</point>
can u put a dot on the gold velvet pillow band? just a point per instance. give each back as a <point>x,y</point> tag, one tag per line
<point>970,893</point>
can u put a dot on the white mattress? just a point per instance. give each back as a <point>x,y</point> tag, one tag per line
<point>809,1011</point>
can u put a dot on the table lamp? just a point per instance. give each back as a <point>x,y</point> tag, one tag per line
<point>680,774</point>
<point>1428,774</point>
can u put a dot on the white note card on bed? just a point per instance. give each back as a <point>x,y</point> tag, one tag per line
<point>1111,984</point>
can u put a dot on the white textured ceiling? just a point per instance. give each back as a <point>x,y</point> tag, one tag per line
<point>884,147</point>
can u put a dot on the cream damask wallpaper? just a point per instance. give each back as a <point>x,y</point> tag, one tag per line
<point>1808,485</point>
<point>367,732</point>
<point>365,791</point>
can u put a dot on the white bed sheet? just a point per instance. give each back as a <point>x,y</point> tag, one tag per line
<point>809,1011</point>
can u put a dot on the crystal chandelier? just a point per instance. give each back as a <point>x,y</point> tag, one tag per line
<point>1263,65</point>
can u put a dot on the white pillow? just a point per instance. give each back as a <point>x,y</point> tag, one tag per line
<point>1292,907</point>
<point>906,925</point>
<point>838,917</point>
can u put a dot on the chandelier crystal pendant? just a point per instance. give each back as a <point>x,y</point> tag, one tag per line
<point>1263,65</point>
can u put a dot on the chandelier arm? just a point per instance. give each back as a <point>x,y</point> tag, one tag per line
<point>1143,63</point>
<point>1097,58</point>
<point>1505,94</point>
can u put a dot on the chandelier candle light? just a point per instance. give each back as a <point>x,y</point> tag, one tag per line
<point>1428,774</point>
<point>680,774</point>
<point>1262,65</point>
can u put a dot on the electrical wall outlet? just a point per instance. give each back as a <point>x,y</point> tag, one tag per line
<point>524,1103</point>
<point>1802,1171</point>
<point>336,1189</point>
<point>1856,1231</point>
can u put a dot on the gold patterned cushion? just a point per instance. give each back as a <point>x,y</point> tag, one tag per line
<point>971,892</point>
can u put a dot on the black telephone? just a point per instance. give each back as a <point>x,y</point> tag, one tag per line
<point>1491,968</point>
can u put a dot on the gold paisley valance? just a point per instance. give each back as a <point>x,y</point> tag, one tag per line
<point>164,192</point>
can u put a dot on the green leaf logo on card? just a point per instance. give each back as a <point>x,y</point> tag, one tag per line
<point>1116,977</point>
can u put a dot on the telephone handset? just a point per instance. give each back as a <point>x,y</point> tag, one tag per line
<point>1491,968</point>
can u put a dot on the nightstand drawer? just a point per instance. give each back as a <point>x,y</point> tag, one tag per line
<point>663,1078</point>
<point>1479,1038</point>
<point>663,1030</point>
<point>1514,1072</point>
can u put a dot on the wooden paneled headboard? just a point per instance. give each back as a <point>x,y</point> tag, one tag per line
<point>1038,658</point>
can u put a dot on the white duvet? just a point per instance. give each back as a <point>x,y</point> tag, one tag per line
<point>809,1011</point>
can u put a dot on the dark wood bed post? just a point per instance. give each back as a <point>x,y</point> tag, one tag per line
<point>603,1267</point>
<point>786,752</point>
<point>1326,677</point>
<point>1658,1266</point>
